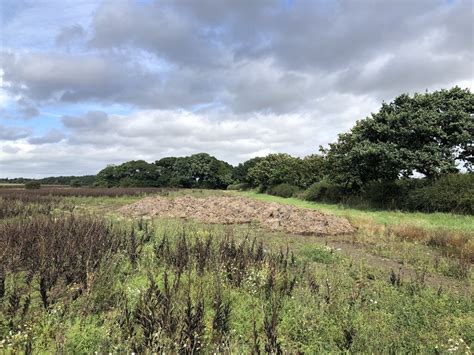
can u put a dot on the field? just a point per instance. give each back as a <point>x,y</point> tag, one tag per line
<point>81,273</point>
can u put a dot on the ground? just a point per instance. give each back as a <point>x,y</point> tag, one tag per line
<point>404,276</point>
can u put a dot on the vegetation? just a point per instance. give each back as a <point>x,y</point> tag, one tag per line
<point>86,180</point>
<point>430,134</point>
<point>406,156</point>
<point>415,154</point>
<point>195,171</point>
<point>72,282</point>
<point>32,185</point>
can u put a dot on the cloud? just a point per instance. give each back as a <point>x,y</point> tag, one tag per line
<point>26,109</point>
<point>69,35</point>
<point>52,136</point>
<point>13,133</point>
<point>233,78</point>
<point>74,78</point>
<point>178,55</point>
<point>95,139</point>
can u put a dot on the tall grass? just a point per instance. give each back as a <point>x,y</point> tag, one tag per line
<point>72,283</point>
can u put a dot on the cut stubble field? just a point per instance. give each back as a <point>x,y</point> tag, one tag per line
<point>171,280</point>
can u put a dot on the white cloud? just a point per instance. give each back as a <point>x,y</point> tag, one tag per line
<point>96,139</point>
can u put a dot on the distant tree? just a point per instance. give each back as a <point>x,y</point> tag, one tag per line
<point>210,172</point>
<point>135,173</point>
<point>199,170</point>
<point>32,185</point>
<point>241,171</point>
<point>277,169</point>
<point>107,177</point>
<point>430,133</point>
<point>75,183</point>
<point>313,169</point>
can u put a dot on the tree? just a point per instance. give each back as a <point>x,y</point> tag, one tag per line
<point>199,170</point>
<point>241,171</point>
<point>431,134</point>
<point>75,183</point>
<point>277,169</point>
<point>32,185</point>
<point>313,169</point>
<point>135,173</point>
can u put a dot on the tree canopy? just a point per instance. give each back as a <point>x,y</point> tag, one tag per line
<point>282,168</point>
<point>430,134</point>
<point>198,170</point>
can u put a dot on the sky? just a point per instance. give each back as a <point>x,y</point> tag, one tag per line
<point>87,83</point>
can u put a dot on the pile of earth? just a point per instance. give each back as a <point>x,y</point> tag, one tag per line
<point>238,210</point>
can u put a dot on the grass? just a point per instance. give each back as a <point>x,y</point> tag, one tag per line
<point>388,218</point>
<point>305,295</point>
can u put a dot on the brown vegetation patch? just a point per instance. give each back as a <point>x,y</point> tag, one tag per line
<point>460,244</point>
<point>238,210</point>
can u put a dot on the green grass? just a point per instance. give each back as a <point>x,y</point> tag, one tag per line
<point>389,218</point>
<point>349,301</point>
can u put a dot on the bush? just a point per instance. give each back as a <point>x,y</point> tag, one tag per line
<point>32,185</point>
<point>75,183</point>
<point>450,193</point>
<point>389,195</point>
<point>239,186</point>
<point>326,192</point>
<point>283,190</point>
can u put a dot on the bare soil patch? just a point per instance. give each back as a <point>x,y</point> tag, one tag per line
<point>239,210</point>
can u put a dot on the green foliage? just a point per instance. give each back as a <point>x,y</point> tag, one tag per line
<point>283,190</point>
<point>427,133</point>
<point>453,193</point>
<point>32,185</point>
<point>318,254</point>
<point>193,288</point>
<point>135,173</point>
<point>277,169</point>
<point>54,180</point>
<point>241,171</point>
<point>325,191</point>
<point>196,171</point>
<point>239,186</point>
<point>75,183</point>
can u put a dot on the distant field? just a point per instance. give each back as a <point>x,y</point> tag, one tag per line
<point>5,185</point>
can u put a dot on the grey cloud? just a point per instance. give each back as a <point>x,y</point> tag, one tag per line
<point>306,37</point>
<point>26,109</point>
<point>69,35</point>
<point>75,78</point>
<point>13,133</point>
<point>10,149</point>
<point>158,27</point>
<point>91,121</point>
<point>250,56</point>
<point>52,136</point>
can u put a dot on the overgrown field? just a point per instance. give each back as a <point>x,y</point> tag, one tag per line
<point>77,281</point>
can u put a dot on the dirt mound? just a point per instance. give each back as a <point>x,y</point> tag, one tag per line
<point>238,210</point>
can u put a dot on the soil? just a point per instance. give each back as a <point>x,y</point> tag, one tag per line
<point>239,210</point>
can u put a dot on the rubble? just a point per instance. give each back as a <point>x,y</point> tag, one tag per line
<point>239,210</point>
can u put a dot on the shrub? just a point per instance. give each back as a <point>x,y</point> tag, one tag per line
<point>389,194</point>
<point>450,193</point>
<point>75,183</point>
<point>32,185</point>
<point>326,192</point>
<point>239,186</point>
<point>283,190</point>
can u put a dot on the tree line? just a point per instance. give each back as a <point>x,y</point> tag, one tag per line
<point>415,148</point>
<point>413,151</point>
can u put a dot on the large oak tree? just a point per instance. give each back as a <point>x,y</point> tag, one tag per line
<point>430,134</point>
